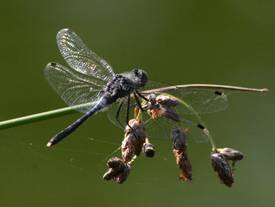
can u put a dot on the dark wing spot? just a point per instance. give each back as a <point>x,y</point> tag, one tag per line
<point>200,126</point>
<point>53,64</point>
<point>218,93</point>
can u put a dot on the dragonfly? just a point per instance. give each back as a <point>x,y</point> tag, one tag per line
<point>91,83</point>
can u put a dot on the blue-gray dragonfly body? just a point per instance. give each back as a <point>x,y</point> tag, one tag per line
<point>117,86</point>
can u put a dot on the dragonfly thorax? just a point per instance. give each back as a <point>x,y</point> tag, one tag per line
<point>137,76</point>
<point>120,86</point>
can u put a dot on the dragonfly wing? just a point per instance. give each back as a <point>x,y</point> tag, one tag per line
<point>73,87</point>
<point>161,129</point>
<point>81,58</point>
<point>197,99</point>
<point>204,98</point>
<point>156,128</point>
<point>203,101</point>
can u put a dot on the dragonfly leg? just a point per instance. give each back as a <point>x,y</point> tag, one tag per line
<point>143,97</point>
<point>118,113</point>
<point>128,113</point>
<point>138,102</point>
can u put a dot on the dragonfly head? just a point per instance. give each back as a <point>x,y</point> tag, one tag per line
<point>139,77</point>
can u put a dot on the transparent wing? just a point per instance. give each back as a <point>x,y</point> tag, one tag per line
<point>159,128</point>
<point>194,99</point>
<point>204,98</point>
<point>81,58</point>
<point>73,87</point>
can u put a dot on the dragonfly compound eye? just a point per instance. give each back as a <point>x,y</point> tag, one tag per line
<point>141,77</point>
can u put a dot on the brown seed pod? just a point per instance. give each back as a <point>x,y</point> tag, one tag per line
<point>117,170</point>
<point>184,165</point>
<point>179,139</point>
<point>180,153</point>
<point>230,154</point>
<point>123,175</point>
<point>134,138</point>
<point>222,168</point>
<point>148,149</point>
<point>162,106</point>
<point>167,101</point>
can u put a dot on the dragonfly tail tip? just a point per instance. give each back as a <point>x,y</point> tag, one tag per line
<point>49,144</point>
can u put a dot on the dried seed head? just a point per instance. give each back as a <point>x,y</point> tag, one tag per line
<point>230,154</point>
<point>184,165</point>
<point>162,106</point>
<point>222,168</point>
<point>118,170</point>
<point>123,175</point>
<point>180,153</point>
<point>115,162</point>
<point>134,139</point>
<point>167,101</point>
<point>170,113</point>
<point>148,149</point>
<point>110,174</point>
<point>136,127</point>
<point>115,165</point>
<point>179,139</point>
<point>152,98</point>
<point>130,147</point>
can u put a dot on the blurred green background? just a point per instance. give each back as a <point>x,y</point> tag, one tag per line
<point>177,42</point>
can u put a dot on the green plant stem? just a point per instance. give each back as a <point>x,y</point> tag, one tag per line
<point>40,116</point>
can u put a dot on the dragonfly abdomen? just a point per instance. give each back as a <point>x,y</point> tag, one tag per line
<point>102,103</point>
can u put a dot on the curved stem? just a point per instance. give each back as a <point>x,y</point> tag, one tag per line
<point>206,86</point>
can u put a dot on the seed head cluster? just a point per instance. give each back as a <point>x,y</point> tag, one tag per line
<point>136,142</point>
